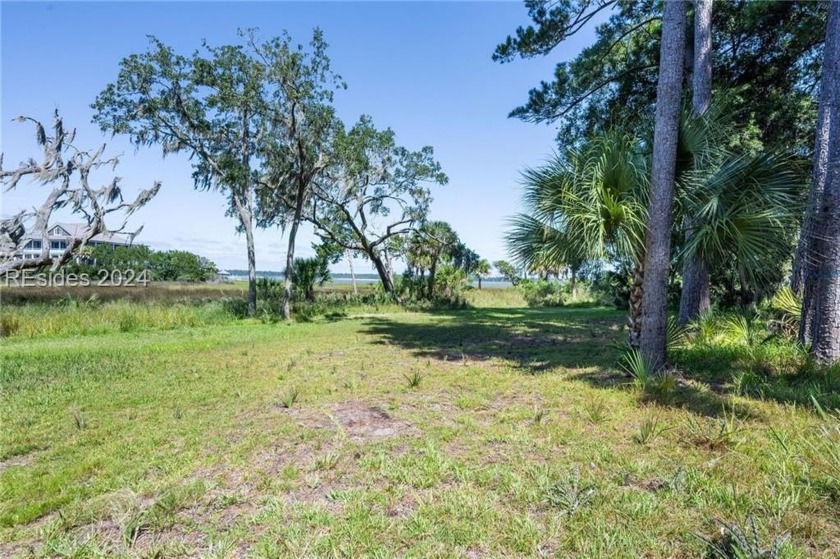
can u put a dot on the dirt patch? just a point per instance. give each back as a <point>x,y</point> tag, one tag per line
<point>361,422</point>
<point>19,461</point>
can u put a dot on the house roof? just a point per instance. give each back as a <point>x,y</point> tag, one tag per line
<point>75,230</point>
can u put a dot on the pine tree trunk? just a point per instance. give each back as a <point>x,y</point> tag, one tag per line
<point>808,258</point>
<point>694,298</point>
<point>804,260</point>
<point>652,341</point>
<point>826,321</point>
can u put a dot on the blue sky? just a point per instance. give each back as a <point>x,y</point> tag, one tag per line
<point>421,68</point>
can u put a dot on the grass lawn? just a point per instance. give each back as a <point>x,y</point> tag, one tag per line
<point>493,432</point>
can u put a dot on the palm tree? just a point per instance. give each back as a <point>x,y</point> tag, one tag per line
<point>590,204</point>
<point>584,205</point>
<point>428,245</point>
<point>482,268</point>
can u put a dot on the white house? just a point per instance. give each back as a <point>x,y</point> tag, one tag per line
<point>61,234</point>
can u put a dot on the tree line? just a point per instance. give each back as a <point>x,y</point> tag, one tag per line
<point>257,122</point>
<point>687,132</point>
<point>156,265</point>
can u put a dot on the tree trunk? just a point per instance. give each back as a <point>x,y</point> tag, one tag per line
<point>382,270</point>
<point>826,326</point>
<point>748,302</point>
<point>804,261</point>
<point>252,268</point>
<point>246,215</point>
<point>808,257</point>
<point>290,260</point>
<point>573,281</point>
<point>352,273</point>
<point>694,298</point>
<point>634,320</point>
<point>389,267</point>
<point>430,290</point>
<point>652,340</point>
<point>479,281</point>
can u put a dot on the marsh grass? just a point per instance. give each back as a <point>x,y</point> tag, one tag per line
<point>85,319</point>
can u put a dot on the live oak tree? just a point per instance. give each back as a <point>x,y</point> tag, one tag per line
<point>652,342</point>
<point>507,271</point>
<point>209,106</point>
<point>301,127</point>
<point>374,191</point>
<point>67,170</point>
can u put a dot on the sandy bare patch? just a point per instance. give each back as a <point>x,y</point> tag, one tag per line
<point>18,461</point>
<point>361,422</point>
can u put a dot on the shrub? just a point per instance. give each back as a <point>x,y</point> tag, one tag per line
<point>542,293</point>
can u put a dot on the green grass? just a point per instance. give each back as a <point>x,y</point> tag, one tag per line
<point>521,438</point>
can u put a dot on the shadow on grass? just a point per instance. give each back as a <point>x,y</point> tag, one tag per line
<point>778,372</point>
<point>587,341</point>
<point>533,340</point>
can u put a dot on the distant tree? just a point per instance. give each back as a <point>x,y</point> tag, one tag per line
<point>482,269</point>
<point>308,273</point>
<point>135,257</point>
<point>430,246</point>
<point>297,146</point>
<point>507,270</point>
<point>67,170</point>
<point>663,171</point>
<point>376,191</point>
<point>209,106</point>
<point>464,258</point>
<point>179,265</point>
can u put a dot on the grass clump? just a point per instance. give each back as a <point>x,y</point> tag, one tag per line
<point>569,494</point>
<point>414,378</point>
<point>289,398</point>
<point>650,429</point>
<point>737,541</point>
